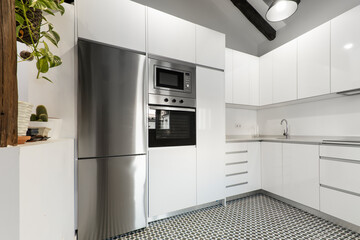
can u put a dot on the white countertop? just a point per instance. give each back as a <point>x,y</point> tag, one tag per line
<point>342,140</point>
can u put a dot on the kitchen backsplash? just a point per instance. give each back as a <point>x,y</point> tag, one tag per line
<point>241,122</point>
<point>332,117</point>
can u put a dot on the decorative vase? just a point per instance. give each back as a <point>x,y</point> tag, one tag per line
<point>24,113</point>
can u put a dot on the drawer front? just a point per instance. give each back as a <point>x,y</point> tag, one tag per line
<point>236,157</point>
<point>236,179</point>
<point>341,152</point>
<point>235,147</point>
<point>236,190</point>
<point>236,168</point>
<point>342,175</point>
<point>341,205</point>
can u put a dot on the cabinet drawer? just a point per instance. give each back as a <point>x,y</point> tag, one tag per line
<point>342,175</point>
<point>235,147</point>
<point>236,179</point>
<point>236,190</point>
<point>235,157</point>
<point>341,152</point>
<point>341,205</point>
<point>236,168</point>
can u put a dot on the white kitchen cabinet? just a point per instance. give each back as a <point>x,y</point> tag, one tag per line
<point>345,51</point>
<point>210,48</point>
<point>285,72</point>
<point>242,168</point>
<point>301,174</point>
<point>170,36</point>
<point>243,82</point>
<point>314,62</point>
<point>120,23</point>
<point>341,205</point>
<point>37,183</point>
<point>228,75</point>
<point>271,167</point>
<point>172,179</point>
<point>210,135</point>
<point>266,79</point>
<point>339,181</point>
<point>254,167</point>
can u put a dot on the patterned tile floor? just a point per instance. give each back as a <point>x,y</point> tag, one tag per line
<point>254,217</point>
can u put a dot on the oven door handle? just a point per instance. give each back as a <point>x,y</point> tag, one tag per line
<point>172,108</point>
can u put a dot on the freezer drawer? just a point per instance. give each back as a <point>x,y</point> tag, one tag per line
<point>112,196</point>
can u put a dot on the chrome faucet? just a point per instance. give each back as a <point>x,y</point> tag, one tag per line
<point>286,130</point>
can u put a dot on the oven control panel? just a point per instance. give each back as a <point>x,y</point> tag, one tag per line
<point>171,101</point>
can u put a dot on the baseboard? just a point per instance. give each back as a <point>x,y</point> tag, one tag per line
<point>182,211</point>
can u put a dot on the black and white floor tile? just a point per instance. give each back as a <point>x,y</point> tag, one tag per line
<point>255,217</point>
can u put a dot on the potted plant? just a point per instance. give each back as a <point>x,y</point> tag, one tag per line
<point>32,29</point>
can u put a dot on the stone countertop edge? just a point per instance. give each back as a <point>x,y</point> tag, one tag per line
<point>292,139</point>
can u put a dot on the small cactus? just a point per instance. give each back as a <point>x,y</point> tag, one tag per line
<point>41,109</point>
<point>43,117</point>
<point>33,117</point>
<point>41,114</point>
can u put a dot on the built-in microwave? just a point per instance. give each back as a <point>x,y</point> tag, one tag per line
<point>172,78</point>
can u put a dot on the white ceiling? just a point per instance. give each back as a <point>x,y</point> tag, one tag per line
<point>223,16</point>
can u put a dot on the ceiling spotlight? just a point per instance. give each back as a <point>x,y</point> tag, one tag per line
<point>281,9</point>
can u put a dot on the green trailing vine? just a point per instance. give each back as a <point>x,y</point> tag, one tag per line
<point>30,25</point>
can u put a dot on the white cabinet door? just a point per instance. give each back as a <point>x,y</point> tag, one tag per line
<point>266,79</point>
<point>228,75</point>
<point>254,166</point>
<point>285,72</point>
<point>210,47</point>
<point>271,167</point>
<point>314,62</point>
<point>171,37</point>
<point>301,174</point>
<point>345,51</point>
<point>341,205</point>
<point>210,135</point>
<point>245,79</point>
<point>172,179</point>
<point>116,22</point>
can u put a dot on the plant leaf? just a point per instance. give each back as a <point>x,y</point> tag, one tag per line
<point>57,61</point>
<point>50,38</point>
<point>19,19</point>
<point>55,35</point>
<point>17,30</point>
<point>42,65</point>
<point>47,79</point>
<point>49,12</point>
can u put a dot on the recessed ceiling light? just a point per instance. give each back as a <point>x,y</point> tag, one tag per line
<point>281,9</point>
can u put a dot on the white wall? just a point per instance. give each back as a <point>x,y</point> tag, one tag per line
<point>59,96</point>
<point>333,117</point>
<point>246,118</point>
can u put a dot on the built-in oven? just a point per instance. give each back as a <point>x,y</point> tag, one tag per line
<point>171,126</point>
<point>172,78</point>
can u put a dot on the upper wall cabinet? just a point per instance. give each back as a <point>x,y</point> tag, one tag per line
<point>210,48</point>
<point>170,36</point>
<point>285,72</point>
<point>245,78</point>
<point>266,79</point>
<point>314,62</point>
<point>345,51</point>
<point>120,23</point>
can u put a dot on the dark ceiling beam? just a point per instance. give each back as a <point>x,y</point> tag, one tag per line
<point>255,18</point>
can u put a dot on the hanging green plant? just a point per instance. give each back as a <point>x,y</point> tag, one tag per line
<point>30,22</point>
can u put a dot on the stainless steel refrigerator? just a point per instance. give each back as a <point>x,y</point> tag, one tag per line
<point>112,194</point>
